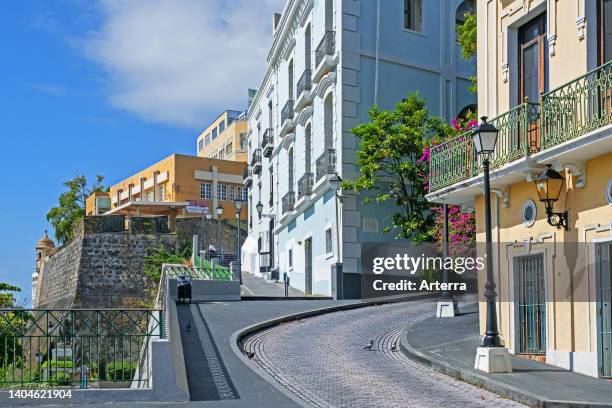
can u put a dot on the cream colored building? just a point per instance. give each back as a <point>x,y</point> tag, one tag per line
<point>545,79</point>
<point>225,138</point>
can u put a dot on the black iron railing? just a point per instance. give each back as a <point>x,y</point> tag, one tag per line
<point>287,112</point>
<point>304,83</point>
<point>288,201</point>
<point>305,185</point>
<point>327,46</point>
<point>326,163</point>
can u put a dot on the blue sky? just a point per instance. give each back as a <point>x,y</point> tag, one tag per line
<point>108,88</point>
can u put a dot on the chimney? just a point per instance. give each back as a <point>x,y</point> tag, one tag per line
<point>275,20</point>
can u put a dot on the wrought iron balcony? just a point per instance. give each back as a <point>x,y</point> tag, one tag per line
<point>305,185</point>
<point>457,160</point>
<point>267,143</point>
<point>304,83</point>
<point>326,163</point>
<point>327,46</point>
<point>256,161</point>
<point>287,112</point>
<point>288,201</point>
<point>247,176</point>
<point>568,112</point>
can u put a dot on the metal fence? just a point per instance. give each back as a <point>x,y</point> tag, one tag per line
<point>83,348</point>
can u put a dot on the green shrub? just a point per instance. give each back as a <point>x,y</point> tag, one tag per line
<point>57,364</point>
<point>60,378</point>
<point>120,370</point>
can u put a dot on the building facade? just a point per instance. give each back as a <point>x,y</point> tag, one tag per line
<point>330,61</point>
<point>225,138</point>
<point>178,185</point>
<point>544,77</point>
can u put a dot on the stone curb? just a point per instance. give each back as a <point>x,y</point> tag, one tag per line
<point>239,334</point>
<point>487,383</point>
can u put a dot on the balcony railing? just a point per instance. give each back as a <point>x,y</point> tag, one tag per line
<point>327,46</point>
<point>288,201</point>
<point>256,161</point>
<point>567,112</point>
<point>457,160</point>
<point>267,143</point>
<point>305,185</point>
<point>577,107</point>
<point>247,176</point>
<point>287,112</point>
<point>304,83</point>
<point>326,163</point>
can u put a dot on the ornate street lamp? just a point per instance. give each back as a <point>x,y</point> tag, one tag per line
<point>259,208</point>
<point>484,137</point>
<point>549,184</point>
<point>238,204</point>
<point>219,210</point>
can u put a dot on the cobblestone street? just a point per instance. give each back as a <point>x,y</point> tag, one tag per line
<point>322,360</point>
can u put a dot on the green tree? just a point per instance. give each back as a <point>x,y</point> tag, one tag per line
<point>71,206</point>
<point>389,157</point>
<point>12,323</point>
<point>468,41</point>
<point>7,295</point>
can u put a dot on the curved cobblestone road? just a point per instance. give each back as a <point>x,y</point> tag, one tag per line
<point>322,361</point>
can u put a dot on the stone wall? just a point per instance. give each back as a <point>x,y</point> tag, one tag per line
<point>186,228</point>
<point>102,267</point>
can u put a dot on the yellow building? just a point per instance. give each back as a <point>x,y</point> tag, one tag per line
<point>225,138</point>
<point>178,185</point>
<point>545,79</point>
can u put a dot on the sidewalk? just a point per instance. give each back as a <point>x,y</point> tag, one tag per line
<point>449,346</point>
<point>255,288</point>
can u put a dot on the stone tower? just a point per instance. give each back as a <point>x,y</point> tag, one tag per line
<point>44,248</point>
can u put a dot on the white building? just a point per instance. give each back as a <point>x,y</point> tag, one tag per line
<point>330,61</point>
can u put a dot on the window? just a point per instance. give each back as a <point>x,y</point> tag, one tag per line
<point>413,15</point>
<point>221,192</point>
<point>207,139</point>
<point>206,190</point>
<point>243,141</point>
<point>329,247</point>
<point>228,149</point>
<point>222,127</point>
<point>609,192</point>
<point>240,193</point>
<point>201,145</point>
<point>467,7</point>
<point>162,192</point>
<point>150,195</point>
<point>533,59</point>
<point>214,133</point>
<point>291,258</point>
<point>528,213</point>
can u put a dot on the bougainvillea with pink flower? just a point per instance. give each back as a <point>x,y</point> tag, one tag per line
<point>461,226</point>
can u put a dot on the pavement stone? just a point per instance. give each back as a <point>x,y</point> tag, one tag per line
<point>322,360</point>
<point>450,345</point>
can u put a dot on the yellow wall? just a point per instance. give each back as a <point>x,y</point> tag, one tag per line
<point>570,283</point>
<point>217,148</point>
<point>498,23</point>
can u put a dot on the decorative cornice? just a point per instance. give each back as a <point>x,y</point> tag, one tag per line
<point>288,140</point>
<point>552,41</point>
<point>325,82</point>
<point>306,12</point>
<point>305,114</point>
<point>580,27</point>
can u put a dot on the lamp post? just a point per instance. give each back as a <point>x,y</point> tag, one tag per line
<point>238,204</point>
<point>208,219</point>
<point>219,210</point>
<point>259,208</point>
<point>484,138</point>
<point>335,181</point>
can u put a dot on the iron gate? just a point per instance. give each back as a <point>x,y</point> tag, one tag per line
<point>530,303</point>
<point>603,268</point>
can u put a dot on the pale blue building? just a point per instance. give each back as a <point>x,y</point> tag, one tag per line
<point>330,61</point>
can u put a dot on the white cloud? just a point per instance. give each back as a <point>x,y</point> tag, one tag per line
<point>179,62</point>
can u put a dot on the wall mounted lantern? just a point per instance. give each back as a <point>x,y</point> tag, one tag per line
<point>549,184</point>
